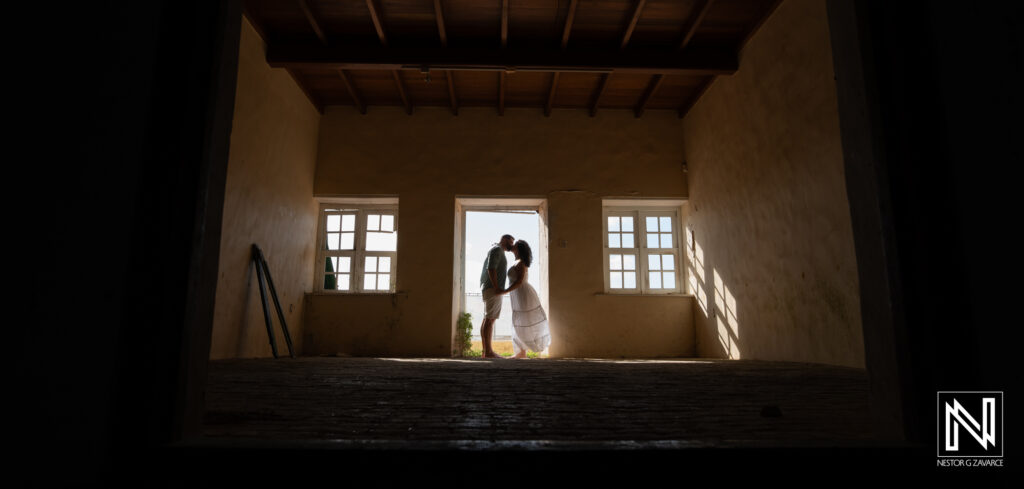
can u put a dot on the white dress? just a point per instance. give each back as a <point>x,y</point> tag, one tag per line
<point>529,321</point>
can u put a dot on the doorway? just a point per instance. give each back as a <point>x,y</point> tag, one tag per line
<point>480,223</point>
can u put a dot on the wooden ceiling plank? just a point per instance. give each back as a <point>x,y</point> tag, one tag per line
<point>357,100</point>
<point>632,23</point>
<point>651,88</point>
<point>440,22</point>
<point>568,23</point>
<point>696,96</point>
<point>309,95</point>
<point>451,92</point>
<point>504,23</point>
<point>600,92</point>
<point>551,95</point>
<point>312,21</point>
<point>690,31</point>
<point>401,92</point>
<point>377,24</point>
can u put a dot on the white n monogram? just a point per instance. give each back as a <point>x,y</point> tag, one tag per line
<point>957,416</point>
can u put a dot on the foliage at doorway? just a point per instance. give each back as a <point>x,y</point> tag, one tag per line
<point>464,336</point>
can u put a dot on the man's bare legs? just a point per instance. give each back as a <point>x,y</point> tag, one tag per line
<point>485,337</point>
<point>521,354</point>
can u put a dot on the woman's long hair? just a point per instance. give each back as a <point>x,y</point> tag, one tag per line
<point>525,254</point>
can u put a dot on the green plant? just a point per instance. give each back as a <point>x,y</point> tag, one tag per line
<point>464,335</point>
<point>331,280</point>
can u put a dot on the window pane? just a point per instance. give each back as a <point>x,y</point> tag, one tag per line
<point>371,264</point>
<point>613,240</point>
<point>381,241</point>
<point>629,262</point>
<point>615,262</point>
<point>384,281</point>
<point>653,262</point>
<point>330,282</point>
<point>373,222</point>
<point>613,223</point>
<point>616,282</point>
<point>652,224</point>
<point>670,280</point>
<point>669,262</point>
<point>332,241</point>
<point>370,281</point>
<point>627,223</point>
<point>666,223</point>
<point>334,222</point>
<point>385,264</point>
<point>666,240</point>
<point>343,281</point>
<point>652,240</point>
<point>627,240</point>
<point>387,223</point>
<point>348,222</point>
<point>348,241</point>
<point>331,265</point>
<point>630,280</point>
<point>655,279</point>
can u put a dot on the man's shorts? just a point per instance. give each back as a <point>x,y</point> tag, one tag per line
<point>492,304</point>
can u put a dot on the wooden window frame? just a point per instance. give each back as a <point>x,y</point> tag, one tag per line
<point>359,252</point>
<point>640,249</point>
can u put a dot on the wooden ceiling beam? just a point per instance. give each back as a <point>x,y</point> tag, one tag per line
<point>697,19</point>
<point>651,88</point>
<point>377,24</point>
<point>551,94</point>
<point>504,23</point>
<point>600,92</point>
<point>312,21</point>
<point>451,92</point>
<point>568,23</point>
<point>632,23</point>
<point>357,100</point>
<point>692,61</point>
<point>401,91</point>
<point>440,22</point>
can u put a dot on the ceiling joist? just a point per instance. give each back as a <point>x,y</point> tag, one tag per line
<point>693,61</point>
<point>357,100</point>
<point>312,21</point>
<point>632,23</point>
<point>697,19</point>
<point>651,88</point>
<point>600,92</point>
<point>439,15</point>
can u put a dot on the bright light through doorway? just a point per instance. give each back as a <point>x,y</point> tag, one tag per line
<point>484,230</point>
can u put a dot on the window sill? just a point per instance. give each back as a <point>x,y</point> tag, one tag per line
<point>358,294</point>
<point>605,294</point>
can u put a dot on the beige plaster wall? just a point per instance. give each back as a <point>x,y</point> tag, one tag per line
<point>570,159</point>
<point>268,201</point>
<point>768,209</point>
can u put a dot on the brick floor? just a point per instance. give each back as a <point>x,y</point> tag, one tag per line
<point>727,402</point>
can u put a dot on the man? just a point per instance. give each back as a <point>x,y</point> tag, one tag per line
<point>492,281</point>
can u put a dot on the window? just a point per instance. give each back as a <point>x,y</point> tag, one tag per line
<point>357,247</point>
<point>641,250</point>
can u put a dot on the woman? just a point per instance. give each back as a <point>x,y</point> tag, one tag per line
<point>529,322</point>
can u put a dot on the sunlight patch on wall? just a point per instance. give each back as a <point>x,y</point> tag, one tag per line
<point>725,317</point>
